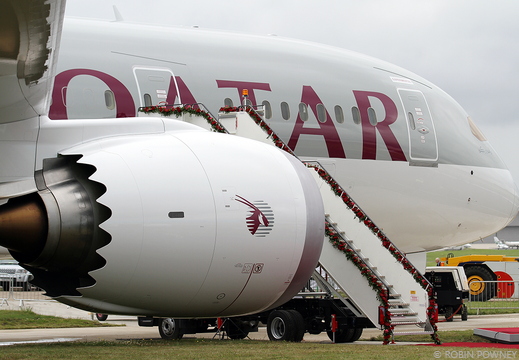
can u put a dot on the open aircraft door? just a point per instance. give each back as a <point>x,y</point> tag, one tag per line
<point>154,84</point>
<point>423,145</point>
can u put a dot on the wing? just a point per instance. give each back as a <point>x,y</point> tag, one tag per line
<point>29,36</point>
<point>30,32</point>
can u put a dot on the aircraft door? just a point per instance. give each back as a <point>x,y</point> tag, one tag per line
<point>154,84</point>
<point>423,145</point>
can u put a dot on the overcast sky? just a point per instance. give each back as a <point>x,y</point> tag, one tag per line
<point>469,48</point>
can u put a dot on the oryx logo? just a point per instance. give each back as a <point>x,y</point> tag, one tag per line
<point>261,217</point>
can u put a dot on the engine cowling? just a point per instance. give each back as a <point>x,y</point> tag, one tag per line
<point>180,224</point>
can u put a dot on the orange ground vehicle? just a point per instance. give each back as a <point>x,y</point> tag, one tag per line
<point>489,276</point>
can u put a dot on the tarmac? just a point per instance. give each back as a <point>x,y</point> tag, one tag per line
<point>130,330</point>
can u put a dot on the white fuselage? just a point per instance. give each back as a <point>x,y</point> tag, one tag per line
<point>428,184</point>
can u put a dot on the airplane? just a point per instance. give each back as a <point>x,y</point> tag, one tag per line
<point>504,245</point>
<point>459,247</point>
<point>120,214</point>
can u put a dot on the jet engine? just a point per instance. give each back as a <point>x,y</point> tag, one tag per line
<point>178,224</point>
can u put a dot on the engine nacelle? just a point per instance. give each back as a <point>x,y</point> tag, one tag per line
<point>180,224</point>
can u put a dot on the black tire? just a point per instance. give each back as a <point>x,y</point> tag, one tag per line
<point>315,326</point>
<point>480,291</point>
<point>449,313</point>
<point>357,334</point>
<point>285,325</point>
<point>101,317</point>
<point>341,335</point>
<point>345,335</point>
<point>169,329</point>
<point>299,326</point>
<point>235,329</point>
<point>464,313</point>
<point>5,285</point>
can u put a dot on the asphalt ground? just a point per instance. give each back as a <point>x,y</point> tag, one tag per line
<point>131,330</point>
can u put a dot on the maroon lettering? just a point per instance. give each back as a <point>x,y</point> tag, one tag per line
<point>325,129</point>
<point>369,131</point>
<point>244,85</point>
<point>123,99</point>
<point>186,97</point>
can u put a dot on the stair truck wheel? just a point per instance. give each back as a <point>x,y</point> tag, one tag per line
<point>480,291</point>
<point>101,317</point>
<point>464,313</point>
<point>169,329</point>
<point>342,335</point>
<point>235,330</point>
<point>300,327</point>
<point>285,325</point>
<point>357,334</point>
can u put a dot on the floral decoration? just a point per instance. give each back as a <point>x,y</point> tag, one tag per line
<point>261,123</point>
<point>178,111</point>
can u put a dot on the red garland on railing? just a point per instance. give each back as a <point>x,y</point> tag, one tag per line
<point>373,281</point>
<point>182,110</point>
<point>261,123</point>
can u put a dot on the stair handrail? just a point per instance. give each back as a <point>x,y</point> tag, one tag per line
<point>258,119</point>
<point>388,244</point>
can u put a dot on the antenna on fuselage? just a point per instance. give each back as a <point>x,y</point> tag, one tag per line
<point>117,14</point>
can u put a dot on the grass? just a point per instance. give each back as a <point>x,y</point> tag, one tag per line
<point>445,336</point>
<point>27,319</point>
<point>225,349</point>
<point>493,306</point>
<point>209,349</point>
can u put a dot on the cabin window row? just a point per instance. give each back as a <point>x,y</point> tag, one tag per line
<point>303,112</point>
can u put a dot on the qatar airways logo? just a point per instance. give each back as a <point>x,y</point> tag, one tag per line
<point>260,219</point>
<point>125,106</point>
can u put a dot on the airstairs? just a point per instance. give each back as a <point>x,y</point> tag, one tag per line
<point>359,264</point>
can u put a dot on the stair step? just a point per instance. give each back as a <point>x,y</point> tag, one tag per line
<point>394,296</point>
<point>402,311</point>
<point>402,323</point>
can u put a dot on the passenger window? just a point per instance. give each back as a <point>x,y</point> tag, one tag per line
<point>285,110</point>
<point>147,100</point>
<point>109,100</point>
<point>339,115</point>
<point>372,116</point>
<point>267,109</point>
<point>321,113</point>
<point>356,115</point>
<point>303,111</point>
<point>228,102</point>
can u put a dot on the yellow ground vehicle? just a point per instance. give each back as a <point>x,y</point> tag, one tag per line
<point>482,268</point>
